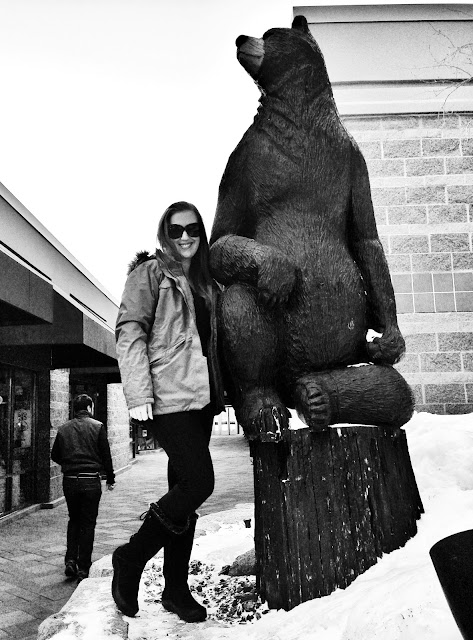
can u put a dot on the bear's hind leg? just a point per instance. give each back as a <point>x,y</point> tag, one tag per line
<point>250,345</point>
<point>372,394</point>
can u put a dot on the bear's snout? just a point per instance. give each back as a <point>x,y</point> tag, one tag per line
<point>241,40</point>
<point>250,54</point>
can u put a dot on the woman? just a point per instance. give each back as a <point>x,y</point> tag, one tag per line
<point>166,346</point>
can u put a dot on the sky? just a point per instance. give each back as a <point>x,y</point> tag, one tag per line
<point>113,109</point>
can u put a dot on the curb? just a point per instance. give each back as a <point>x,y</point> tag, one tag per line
<point>88,609</point>
<point>17,515</point>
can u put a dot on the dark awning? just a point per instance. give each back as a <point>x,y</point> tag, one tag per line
<point>72,339</point>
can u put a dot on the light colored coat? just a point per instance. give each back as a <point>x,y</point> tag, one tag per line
<point>158,345</point>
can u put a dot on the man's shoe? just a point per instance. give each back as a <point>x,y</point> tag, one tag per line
<point>181,602</point>
<point>81,575</point>
<point>70,569</point>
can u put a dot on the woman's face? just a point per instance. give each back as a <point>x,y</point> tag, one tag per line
<point>186,246</point>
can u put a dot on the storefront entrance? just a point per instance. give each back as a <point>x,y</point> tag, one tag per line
<point>95,387</point>
<point>17,438</point>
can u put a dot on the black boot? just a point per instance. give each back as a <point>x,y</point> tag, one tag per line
<point>176,595</point>
<point>129,559</point>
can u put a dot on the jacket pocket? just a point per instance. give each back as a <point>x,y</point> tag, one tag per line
<point>167,354</point>
<point>180,379</point>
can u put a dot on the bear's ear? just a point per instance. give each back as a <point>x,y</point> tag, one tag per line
<point>300,23</point>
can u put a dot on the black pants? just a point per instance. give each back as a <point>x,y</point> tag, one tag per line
<point>82,499</point>
<point>185,438</point>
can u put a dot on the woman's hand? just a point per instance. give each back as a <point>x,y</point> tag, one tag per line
<point>143,412</point>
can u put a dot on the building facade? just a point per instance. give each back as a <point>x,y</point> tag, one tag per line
<point>401,77</point>
<point>56,340</point>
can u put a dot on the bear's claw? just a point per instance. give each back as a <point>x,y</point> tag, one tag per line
<point>263,416</point>
<point>270,425</point>
<point>313,402</point>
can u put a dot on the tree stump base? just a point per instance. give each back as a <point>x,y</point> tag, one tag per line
<point>327,506</point>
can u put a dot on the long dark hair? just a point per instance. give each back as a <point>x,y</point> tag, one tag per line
<point>199,274</point>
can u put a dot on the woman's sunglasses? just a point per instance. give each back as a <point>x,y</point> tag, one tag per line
<point>175,231</point>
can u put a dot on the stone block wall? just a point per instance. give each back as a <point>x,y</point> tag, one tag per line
<point>59,413</point>
<point>421,174</point>
<point>118,429</point>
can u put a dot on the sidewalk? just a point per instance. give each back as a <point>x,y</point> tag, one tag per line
<point>32,580</point>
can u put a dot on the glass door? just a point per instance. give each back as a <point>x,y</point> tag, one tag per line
<point>23,450</point>
<point>17,420</point>
<point>5,394</point>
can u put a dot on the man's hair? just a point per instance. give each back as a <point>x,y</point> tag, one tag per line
<point>82,402</point>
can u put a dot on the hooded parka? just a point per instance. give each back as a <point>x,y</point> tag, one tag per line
<point>158,344</point>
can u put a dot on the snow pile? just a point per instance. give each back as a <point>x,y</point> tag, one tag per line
<point>398,598</point>
<point>230,600</point>
<point>440,448</point>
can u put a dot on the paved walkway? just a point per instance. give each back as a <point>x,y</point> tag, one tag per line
<point>32,581</point>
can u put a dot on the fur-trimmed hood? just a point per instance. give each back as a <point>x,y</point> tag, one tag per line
<point>168,265</point>
<point>140,257</point>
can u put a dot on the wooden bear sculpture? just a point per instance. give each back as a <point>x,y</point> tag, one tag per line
<point>295,243</point>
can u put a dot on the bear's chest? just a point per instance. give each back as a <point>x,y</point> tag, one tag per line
<point>292,165</point>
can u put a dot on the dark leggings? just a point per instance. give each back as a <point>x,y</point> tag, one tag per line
<point>185,438</point>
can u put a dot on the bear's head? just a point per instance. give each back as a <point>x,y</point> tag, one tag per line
<point>282,56</point>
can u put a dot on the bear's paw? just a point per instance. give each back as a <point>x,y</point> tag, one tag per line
<point>263,415</point>
<point>312,403</point>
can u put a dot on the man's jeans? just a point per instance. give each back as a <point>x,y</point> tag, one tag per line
<point>82,498</point>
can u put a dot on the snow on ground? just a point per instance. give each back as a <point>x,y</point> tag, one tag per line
<point>399,598</point>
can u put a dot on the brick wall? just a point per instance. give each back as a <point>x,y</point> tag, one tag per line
<point>421,173</point>
<point>118,426</point>
<point>59,413</point>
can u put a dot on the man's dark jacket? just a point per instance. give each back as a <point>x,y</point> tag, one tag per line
<point>81,446</point>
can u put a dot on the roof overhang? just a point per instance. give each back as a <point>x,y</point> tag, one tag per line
<point>25,297</point>
<point>394,58</point>
<point>72,339</point>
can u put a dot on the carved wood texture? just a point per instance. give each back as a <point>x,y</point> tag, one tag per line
<point>328,505</point>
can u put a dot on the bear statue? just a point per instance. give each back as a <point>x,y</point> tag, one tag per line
<point>295,244</point>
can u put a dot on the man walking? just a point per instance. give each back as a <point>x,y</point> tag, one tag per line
<point>81,448</point>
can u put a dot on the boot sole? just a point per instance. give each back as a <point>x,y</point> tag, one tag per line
<point>121,604</point>
<point>190,616</point>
